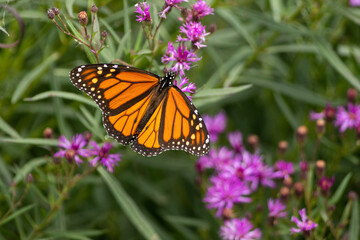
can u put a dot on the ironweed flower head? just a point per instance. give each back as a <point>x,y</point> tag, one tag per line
<point>50,14</point>
<point>328,114</point>
<point>276,208</point>
<point>168,5</point>
<point>325,184</point>
<point>236,141</point>
<point>215,125</point>
<point>286,168</point>
<point>195,33</point>
<point>347,119</point>
<point>200,9</point>
<point>304,225</point>
<point>239,229</point>
<point>354,3</point>
<point>103,157</point>
<point>186,86</point>
<point>74,149</point>
<point>83,18</point>
<point>224,193</point>
<point>181,56</point>
<point>143,12</point>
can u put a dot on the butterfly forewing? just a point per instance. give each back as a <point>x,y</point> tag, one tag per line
<point>182,127</point>
<point>122,93</point>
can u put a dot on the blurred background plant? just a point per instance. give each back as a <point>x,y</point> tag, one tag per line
<point>297,56</point>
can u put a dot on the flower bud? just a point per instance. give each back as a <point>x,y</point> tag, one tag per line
<point>351,94</point>
<point>303,169</point>
<point>228,213</point>
<point>282,146</point>
<point>69,155</point>
<point>56,10</point>
<point>253,141</point>
<point>284,194</point>
<point>288,182</point>
<point>83,18</point>
<point>325,184</point>
<point>87,136</point>
<point>320,126</point>
<point>352,195</point>
<point>299,189</point>
<point>301,134</point>
<point>104,34</point>
<point>329,112</point>
<point>320,168</point>
<point>212,28</point>
<point>94,8</point>
<point>29,178</point>
<point>50,14</point>
<point>48,133</point>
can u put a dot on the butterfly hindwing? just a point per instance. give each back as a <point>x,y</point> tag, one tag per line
<point>182,127</point>
<point>147,142</point>
<point>123,94</point>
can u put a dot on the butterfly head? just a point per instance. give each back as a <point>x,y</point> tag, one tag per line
<point>167,80</point>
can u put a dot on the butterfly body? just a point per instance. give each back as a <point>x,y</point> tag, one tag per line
<point>142,109</point>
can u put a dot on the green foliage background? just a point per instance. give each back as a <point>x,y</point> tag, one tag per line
<point>297,56</point>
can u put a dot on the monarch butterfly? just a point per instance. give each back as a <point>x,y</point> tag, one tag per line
<point>142,109</point>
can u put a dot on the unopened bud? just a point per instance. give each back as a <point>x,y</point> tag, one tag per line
<point>56,10</point>
<point>320,126</point>
<point>282,146</point>
<point>94,8</point>
<point>228,213</point>
<point>299,189</point>
<point>253,141</point>
<point>29,178</point>
<point>212,28</point>
<point>50,14</point>
<point>70,155</point>
<point>351,94</point>
<point>301,134</point>
<point>87,136</point>
<point>104,34</point>
<point>284,194</point>
<point>83,18</point>
<point>48,133</point>
<point>352,195</point>
<point>329,112</point>
<point>288,182</point>
<point>320,168</point>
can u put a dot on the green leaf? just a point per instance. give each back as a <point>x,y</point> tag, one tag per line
<point>69,7</point>
<point>17,213</point>
<point>286,111</point>
<point>28,168</point>
<point>236,23</point>
<point>65,95</point>
<point>328,53</point>
<point>31,141</point>
<point>354,222</point>
<point>32,75</point>
<point>8,129</point>
<point>276,6</point>
<point>129,206</point>
<point>219,92</point>
<point>340,190</point>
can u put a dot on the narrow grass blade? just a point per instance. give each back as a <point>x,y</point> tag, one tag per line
<point>276,6</point>
<point>65,95</point>
<point>69,7</point>
<point>340,190</point>
<point>17,213</point>
<point>286,110</point>
<point>219,92</point>
<point>32,76</point>
<point>31,141</point>
<point>354,221</point>
<point>27,168</point>
<point>4,126</point>
<point>129,207</point>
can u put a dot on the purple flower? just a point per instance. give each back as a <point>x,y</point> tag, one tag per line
<point>235,139</point>
<point>195,32</point>
<point>222,158</point>
<point>286,168</point>
<point>186,86</point>
<point>143,10</point>
<point>328,114</point>
<point>206,161</point>
<point>325,184</point>
<point>348,119</point>
<point>354,3</point>
<point>103,157</point>
<point>239,229</point>
<point>215,125</point>
<point>200,9</point>
<point>181,56</point>
<point>276,208</point>
<point>240,168</point>
<point>224,193</point>
<point>265,176</point>
<point>72,150</point>
<point>305,225</point>
<point>168,5</point>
